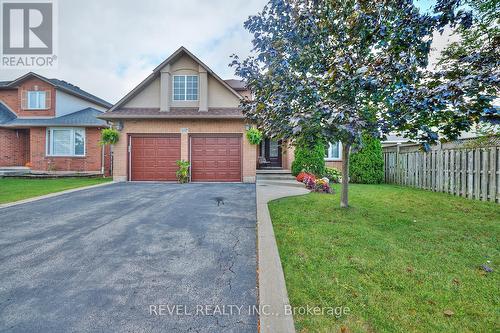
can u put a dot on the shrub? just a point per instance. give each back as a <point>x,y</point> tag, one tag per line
<point>367,164</point>
<point>254,136</point>
<point>332,174</point>
<point>310,182</point>
<point>109,136</point>
<point>309,159</point>
<point>302,175</point>
<point>323,186</point>
<point>182,173</point>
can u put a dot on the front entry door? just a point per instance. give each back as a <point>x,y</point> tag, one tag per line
<point>272,151</point>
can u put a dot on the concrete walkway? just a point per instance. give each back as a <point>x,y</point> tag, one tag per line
<point>273,296</point>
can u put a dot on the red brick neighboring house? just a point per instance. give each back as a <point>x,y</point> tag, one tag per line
<point>51,125</point>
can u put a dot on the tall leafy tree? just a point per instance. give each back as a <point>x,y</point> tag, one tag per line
<point>461,90</point>
<point>320,68</point>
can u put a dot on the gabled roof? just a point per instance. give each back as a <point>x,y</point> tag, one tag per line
<point>156,73</point>
<point>84,118</point>
<point>58,84</point>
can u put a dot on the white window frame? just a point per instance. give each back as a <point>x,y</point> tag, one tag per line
<point>185,88</point>
<point>50,143</point>
<point>339,158</point>
<point>36,94</point>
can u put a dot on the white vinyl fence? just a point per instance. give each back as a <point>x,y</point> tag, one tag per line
<point>470,173</point>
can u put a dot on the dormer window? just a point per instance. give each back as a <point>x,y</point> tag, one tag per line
<point>185,87</point>
<point>36,100</point>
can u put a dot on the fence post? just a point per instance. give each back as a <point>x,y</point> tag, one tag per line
<point>477,173</point>
<point>484,175</point>
<point>493,174</point>
<point>470,174</point>
<point>452,172</point>
<point>445,172</point>
<point>398,181</point>
<point>464,173</point>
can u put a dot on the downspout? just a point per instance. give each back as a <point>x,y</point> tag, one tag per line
<point>111,160</point>
<point>102,161</point>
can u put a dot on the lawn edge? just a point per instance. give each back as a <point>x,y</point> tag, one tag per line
<point>51,195</point>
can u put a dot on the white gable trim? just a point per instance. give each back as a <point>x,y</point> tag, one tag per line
<point>157,70</point>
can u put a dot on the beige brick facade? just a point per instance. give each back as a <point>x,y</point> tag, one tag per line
<point>120,150</point>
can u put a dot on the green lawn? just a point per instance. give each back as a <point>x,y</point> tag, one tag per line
<point>13,189</point>
<point>399,259</point>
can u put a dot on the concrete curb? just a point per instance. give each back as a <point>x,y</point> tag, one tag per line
<point>273,296</point>
<point>51,195</point>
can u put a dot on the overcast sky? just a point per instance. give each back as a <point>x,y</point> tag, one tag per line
<point>108,47</point>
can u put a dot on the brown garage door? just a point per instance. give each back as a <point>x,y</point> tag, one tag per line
<point>216,158</point>
<point>153,157</point>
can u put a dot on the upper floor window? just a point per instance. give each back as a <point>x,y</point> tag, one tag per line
<point>334,151</point>
<point>37,100</point>
<point>68,141</point>
<point>185,87</point>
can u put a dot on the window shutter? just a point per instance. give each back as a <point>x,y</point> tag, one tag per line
<point>24,99</point>
<point>47,99</point>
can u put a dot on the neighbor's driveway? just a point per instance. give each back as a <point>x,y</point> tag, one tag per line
<point>95,260</point>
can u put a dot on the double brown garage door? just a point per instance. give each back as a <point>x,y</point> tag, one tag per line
<point>213,157</point>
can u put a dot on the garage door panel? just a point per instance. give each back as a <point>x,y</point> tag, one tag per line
<point>215,158</point>
<point>153,158</point>
<point>234,152</point>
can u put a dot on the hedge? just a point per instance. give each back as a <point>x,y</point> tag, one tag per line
<point>366,166</point>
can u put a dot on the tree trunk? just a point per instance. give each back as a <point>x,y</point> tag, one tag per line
<point>344,198</point>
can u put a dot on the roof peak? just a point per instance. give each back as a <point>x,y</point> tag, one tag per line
<point>62,85</point>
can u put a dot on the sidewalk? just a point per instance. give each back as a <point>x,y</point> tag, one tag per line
<point>272,289</point>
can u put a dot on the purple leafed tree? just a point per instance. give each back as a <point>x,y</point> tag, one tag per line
<point>338,69</point>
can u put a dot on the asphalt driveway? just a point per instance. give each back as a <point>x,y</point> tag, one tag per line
<point>131,257</point>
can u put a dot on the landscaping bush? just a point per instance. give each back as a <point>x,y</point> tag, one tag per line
<point>109,136</point>
<point>367,164</point>
<point>332,174</point>
<point>310,182</point>
<point>182,173</point>
<point>309,159</point>
<point>254,136</point>
<point>302,175</point>
<point>322,186</point>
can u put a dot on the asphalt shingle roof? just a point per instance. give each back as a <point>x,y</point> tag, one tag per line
<point>237,85</point>
<point>5,114</point>
<point>85,117</point>
<point>175,113</point>
<point>68,86</point>
<point>61,84</point>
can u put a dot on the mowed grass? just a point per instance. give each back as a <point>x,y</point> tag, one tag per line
<point>14,189</point>
<point>401,260</point>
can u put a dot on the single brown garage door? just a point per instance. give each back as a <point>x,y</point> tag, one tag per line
<point>216,158</point>
<point>153,157</point>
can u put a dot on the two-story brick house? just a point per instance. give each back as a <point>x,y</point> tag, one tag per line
<point>50,125</point>
<point>183,110</point>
